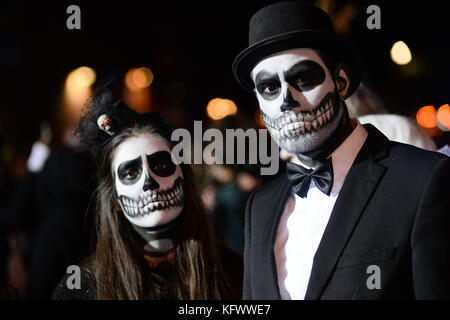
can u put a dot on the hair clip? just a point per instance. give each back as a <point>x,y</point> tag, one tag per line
<point>104,123</point>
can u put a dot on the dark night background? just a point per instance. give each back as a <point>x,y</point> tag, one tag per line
<point>190,46</point>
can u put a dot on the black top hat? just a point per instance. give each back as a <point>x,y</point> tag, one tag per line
<point>291,25</point>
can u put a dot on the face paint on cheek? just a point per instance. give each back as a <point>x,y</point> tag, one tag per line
<point>150,186</point>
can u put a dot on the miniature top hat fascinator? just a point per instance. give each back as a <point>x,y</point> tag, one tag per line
<point>104,118</point>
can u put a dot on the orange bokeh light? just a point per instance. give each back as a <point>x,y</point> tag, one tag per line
<point>259,119</point>
<point>137,79</point>
<point>426,117</point>
<point>220,108</point>
<point>443,115</point>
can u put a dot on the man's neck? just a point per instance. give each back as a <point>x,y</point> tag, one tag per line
<point>344,129</point>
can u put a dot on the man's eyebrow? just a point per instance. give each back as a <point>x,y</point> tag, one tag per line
<point>129,163</point>
<point>265,75</point>
<point>302,66</point>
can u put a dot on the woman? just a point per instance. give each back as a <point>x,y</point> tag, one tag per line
<point>153,238</point>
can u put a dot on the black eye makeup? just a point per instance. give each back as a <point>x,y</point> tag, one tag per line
<point>268,85</point>
<point>305,75</point>
<point>161,164</point>
<point>130,171</point>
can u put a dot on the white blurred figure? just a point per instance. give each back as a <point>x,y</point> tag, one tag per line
<point>401,129</point>
<point>40,149</point>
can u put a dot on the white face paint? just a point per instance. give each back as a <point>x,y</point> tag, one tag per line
<point>149,185</point>
<point>298,99</point>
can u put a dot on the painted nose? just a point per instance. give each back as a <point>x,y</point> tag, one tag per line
<point>150,183</point>
<point>289,103</point>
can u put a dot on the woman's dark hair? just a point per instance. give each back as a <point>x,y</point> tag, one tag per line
<point>117,263</point>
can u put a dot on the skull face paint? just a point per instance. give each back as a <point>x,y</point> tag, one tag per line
<point>149,185</point>
<point>298,99</point>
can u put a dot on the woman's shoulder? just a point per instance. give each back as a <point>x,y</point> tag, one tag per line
<point>79,285</point>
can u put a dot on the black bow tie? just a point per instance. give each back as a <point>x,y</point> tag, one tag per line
<point>300,177</point>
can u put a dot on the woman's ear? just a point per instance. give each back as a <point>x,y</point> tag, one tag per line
<point>342,81</point>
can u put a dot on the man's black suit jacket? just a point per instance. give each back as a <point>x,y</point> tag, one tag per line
<point>393,211</point>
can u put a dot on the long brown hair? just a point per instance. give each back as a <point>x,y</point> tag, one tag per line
<point>117,264</point>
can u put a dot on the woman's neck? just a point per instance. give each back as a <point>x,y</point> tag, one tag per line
<point>159,246</point>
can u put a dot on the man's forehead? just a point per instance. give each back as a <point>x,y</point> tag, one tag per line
<point>284,60</point>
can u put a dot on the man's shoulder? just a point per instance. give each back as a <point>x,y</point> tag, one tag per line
<point>270,196</point>
<point>273,185</point>
<point>413,157</point>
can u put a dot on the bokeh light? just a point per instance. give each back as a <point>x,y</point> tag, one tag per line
<point>443,117</point>
<point>82,77</point>
<point>138,78</point>
<point>400,53</point>
<point>77,90</point>
<point>137,94</point>
<point>220,108</point>
<point>426,117</point>
<point>259,119</point>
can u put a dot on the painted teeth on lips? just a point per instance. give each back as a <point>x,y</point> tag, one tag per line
<point>293,124</point>
<point>149,202</point>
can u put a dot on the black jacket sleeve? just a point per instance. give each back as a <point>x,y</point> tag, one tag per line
<point>430,238</point>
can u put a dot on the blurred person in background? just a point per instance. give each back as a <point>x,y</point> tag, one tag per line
<point>228,187</point>
<point>50,207</point>
<point>368,107</point>
<point>232,187</point>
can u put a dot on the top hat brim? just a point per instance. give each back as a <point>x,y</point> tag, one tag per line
<point>329,42</point>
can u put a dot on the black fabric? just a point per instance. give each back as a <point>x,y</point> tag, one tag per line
<point>300,177</point>
<point>291,25</point>
<point>392,212</point>
<point>87,290</point>
<point>232,265</point>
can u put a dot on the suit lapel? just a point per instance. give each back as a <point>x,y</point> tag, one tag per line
<point>361,180</point>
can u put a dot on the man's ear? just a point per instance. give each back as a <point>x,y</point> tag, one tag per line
<point>342,81</point>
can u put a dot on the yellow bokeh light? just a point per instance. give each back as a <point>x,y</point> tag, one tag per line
<point>77,90</point>
<point>82,77</point>
<point>138,78</point>
<point>400,53</point>
<point>220,108</point>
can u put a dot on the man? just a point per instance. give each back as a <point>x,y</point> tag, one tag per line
<point>357,216</point>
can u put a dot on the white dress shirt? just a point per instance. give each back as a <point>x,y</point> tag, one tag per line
<point>304,220</point>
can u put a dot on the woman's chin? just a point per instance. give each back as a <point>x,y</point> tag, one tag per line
<point>156,218</point>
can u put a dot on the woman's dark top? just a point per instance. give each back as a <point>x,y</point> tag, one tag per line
<point>232,265</point>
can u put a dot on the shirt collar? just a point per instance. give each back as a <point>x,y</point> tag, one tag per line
<point>344,156</point>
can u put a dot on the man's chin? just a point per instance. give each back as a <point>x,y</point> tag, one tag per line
<point>307,142</point>
<point>300,145</point>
